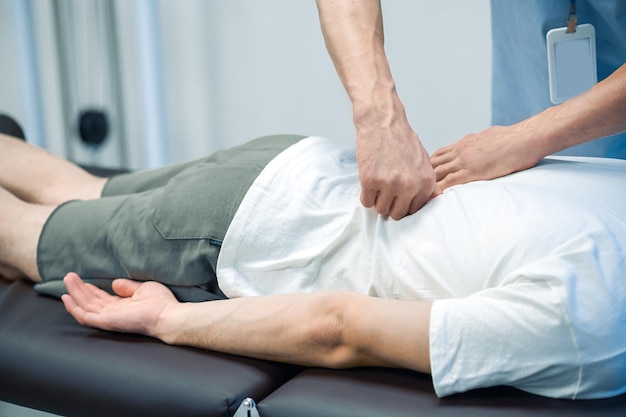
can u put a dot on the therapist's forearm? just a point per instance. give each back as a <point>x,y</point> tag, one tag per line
<point>353,31</point>
<point>598,113</point>
<point>394,169</point>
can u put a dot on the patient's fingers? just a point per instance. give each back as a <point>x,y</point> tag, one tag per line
<point>84,303</point>
<point>73,308</point>
<point>125,287</point>
<point>68,302</point>
<point>98,293</point>
<point>87,296</point>
<point>86,318</point>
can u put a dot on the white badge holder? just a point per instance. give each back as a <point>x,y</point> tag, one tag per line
<point>571,61</point>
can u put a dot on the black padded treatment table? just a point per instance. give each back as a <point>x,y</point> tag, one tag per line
<point>51,363</point>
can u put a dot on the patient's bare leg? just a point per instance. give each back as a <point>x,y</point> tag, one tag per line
<point>37,176</point>
<point>21,224</point>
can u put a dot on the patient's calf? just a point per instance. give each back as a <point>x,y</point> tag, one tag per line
<point>20,226</point>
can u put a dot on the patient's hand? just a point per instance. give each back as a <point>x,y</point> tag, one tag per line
<point>136,308</point>
<point>492,153</point>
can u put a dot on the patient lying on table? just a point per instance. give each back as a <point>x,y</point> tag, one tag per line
<point>517,281</point>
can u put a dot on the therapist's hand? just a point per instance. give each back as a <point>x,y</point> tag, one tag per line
<point>492,153</point>
<point>136,308</point>
<point>501,150</point>
<point>396,176</point>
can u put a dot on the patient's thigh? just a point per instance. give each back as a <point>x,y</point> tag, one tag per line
<point>117,236</point>
<point>170,233</point>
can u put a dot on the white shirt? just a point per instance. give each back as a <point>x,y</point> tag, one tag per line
<point>526,270</point>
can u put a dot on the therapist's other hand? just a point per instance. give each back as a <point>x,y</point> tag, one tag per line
<point>492,153</point>
<point>136,308</point>
<point>396,176</point>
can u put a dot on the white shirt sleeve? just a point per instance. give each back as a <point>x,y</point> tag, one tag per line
<point>514,335</point>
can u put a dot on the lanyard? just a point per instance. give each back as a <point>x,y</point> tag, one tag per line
<point>572,19</point>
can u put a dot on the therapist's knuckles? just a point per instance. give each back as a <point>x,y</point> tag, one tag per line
<point>368,197</point>
<point>384,202</point>
<point>399,210</point>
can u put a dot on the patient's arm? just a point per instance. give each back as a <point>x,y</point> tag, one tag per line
<point>329,329</point>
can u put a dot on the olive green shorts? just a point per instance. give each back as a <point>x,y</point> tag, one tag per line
<point>165,225</point>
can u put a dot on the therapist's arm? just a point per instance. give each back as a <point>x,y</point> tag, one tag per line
<point>394,169</point>
<point>328,329</point>
<point>501,150</point>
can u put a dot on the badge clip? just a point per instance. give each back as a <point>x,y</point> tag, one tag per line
<point>572,20</point>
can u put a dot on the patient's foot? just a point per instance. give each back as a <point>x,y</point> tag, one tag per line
<point>20,226</point>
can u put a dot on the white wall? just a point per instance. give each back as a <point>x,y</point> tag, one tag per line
<point>238,69</point>
<point>268,70</point>
<point>10,99</point>
<point>440,53</point>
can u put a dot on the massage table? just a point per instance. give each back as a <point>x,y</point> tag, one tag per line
<point>49,362</point>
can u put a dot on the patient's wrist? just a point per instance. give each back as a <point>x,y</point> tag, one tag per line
<point>170,322</point>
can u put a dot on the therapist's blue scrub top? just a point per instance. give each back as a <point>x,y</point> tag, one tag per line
<point>520,61</point>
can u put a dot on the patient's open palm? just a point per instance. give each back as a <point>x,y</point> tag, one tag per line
<point>136,308</point>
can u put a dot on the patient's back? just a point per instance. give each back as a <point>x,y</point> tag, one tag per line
<point>302,228</point>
